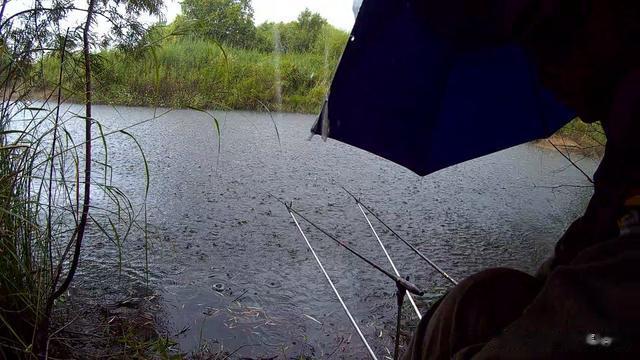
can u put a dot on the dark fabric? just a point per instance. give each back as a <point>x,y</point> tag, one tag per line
<point>472,313</point>
<point>506,314</point>
<point>587,53</point>
<point>429,83</point>
<point>410,92</point>
<point>617,177</point>
<point>476,23</point>
<point>581,48</point>
<point>591,288</point>
<point>594,297</point>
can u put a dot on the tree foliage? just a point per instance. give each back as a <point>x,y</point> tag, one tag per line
<point>226,21</point>
<point>308,29</point>
<point>298,36</point>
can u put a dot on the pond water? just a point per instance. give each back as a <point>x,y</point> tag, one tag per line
<point>233,272</point>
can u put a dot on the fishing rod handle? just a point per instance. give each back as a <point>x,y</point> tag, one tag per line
<point>410,287</point>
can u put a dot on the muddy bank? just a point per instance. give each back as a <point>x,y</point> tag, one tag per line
<point>102,319</point>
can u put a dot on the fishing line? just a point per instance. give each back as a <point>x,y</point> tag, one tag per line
<point>418,252</point>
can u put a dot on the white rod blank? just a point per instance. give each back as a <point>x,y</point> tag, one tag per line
<point>433,265</point>
<point>413,303</point>
<point>344,306</point>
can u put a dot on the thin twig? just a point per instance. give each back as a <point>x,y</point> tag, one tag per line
<point>571,161</point>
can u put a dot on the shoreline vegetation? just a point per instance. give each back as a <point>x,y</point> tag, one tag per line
<point>579,137</point>
<point>174,66</point>
<point>187,72</point>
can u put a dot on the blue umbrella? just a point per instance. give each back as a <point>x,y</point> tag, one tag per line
<point>409,94</point>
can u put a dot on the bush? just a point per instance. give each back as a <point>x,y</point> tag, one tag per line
<point>194,72</point>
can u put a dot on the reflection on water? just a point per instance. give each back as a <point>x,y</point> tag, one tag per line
<point>230,265</point>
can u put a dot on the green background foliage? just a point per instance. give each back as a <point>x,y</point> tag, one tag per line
<point>192,62</point>
<point>225,21</point>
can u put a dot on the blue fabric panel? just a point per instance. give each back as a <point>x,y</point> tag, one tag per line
<point>405,94</point>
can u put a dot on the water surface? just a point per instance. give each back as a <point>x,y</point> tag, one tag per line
<point>232,270</point>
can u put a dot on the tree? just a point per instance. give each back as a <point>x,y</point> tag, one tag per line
<point>226,21</point>
<point>299,36</point>
<point>265,41</point>
<point>309,26</point>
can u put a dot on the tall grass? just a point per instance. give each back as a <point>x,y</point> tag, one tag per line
<point>45,182</point>
<point>192,72</point>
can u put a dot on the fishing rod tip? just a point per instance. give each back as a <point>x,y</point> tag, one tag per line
<point>289,205</point>
<point>351,194</point>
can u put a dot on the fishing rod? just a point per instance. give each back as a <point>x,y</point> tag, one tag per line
<point>415,250</point>
<point>399,294</point>
<point>326,275</point>
<point>403,286</point>
<point>393,265</point>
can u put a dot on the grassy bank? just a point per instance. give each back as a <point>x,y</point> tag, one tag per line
<point>191,72</point>
<point>588,135</point>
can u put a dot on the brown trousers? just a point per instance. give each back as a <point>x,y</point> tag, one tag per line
<point>472,313</point>
<point>585,309</point>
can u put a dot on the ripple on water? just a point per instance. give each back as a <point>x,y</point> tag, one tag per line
<point>216,233</point>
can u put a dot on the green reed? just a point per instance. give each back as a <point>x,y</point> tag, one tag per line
<point>44,192</point>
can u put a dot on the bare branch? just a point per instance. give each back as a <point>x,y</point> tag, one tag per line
<point>571,161</point>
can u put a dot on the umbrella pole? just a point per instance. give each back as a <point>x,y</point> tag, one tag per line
<point>415,250</point>
<point>375,233</point>
<point>344,306</point>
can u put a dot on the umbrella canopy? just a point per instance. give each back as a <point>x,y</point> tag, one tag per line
<point>410,94</point>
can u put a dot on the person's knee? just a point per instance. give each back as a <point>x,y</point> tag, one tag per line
<point>496,282</point>
<point>480,306</point>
